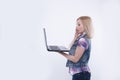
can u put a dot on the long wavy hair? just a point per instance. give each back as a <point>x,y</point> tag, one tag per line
<point>87,24</point>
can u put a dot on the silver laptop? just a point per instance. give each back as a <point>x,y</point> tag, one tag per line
<point>54,47</point>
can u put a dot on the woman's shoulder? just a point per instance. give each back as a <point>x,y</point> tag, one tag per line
<point>83,42</point>
<point>84,39</point>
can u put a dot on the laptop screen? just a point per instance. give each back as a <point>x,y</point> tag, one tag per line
<point>45,38</point>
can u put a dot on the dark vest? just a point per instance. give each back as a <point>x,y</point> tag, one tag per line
<point>84,58</point>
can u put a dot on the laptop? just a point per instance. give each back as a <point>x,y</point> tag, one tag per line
<point>54,47</point>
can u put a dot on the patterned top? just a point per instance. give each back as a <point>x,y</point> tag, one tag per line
<point>73,70</point>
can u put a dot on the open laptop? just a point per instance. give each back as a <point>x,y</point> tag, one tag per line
<point>53,47</point>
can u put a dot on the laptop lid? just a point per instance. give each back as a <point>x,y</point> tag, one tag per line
<point>53,47</point>
<point>45,38</point>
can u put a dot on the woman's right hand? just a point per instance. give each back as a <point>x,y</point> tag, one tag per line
<point>75,37</point>
<point>76,33</point>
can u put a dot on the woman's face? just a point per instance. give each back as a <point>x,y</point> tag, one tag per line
<point>79,27</point>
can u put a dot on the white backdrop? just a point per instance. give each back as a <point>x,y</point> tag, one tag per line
<point>23,55</point>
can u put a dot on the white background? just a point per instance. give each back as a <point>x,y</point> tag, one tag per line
<point>23,55</point>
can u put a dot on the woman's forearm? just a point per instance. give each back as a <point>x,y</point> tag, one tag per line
<point>72,43</point>
<point>69,57</point>
<point>75,37</point>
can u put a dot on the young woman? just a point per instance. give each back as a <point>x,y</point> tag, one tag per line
<point>79,54</point>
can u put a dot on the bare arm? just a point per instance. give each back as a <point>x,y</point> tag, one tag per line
<point>75,37</point>
<point>74,58</point>
<point>78,53</point>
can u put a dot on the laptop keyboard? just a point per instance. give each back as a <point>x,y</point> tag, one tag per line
<point>54,47</point>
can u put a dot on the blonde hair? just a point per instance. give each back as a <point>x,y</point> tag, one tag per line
<point>87,24</point>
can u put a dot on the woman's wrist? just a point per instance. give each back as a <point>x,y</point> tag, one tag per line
<point>75,37</point>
